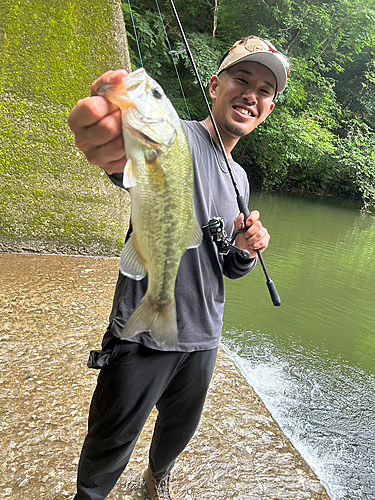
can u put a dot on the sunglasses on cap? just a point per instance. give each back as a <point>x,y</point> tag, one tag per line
<point>255,44</point>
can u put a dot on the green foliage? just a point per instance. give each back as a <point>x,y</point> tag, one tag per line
<point>285,142</point>
<point>356,157</point>
<point>207,54</point>
<point>308,143</point>
<point>156,35</point>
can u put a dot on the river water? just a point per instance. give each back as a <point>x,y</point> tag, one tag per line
<point>312,360</point>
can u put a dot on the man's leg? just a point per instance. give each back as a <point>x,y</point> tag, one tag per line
<point>180,409</point>
<point>127,390</point>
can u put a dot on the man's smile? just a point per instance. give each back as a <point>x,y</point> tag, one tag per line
<point>244,110</point>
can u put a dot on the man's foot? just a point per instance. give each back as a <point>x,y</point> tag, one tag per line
<point>158,489</point>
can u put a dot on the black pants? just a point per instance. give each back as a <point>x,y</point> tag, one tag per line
<point>136,379</point>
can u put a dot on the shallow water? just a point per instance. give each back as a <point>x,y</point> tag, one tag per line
<point>313,359</point>
<point>53,310</point>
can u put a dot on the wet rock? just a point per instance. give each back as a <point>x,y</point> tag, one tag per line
<point>54,310</point>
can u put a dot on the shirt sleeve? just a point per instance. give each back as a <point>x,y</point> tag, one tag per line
<point>236,266</point>
<point>117,179</point>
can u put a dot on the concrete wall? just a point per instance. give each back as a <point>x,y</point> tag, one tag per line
<point>51,199</point>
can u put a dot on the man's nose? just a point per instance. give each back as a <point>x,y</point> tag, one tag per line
<point>250,96</point>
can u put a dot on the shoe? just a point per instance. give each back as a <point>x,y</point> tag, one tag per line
<point>158,489</point>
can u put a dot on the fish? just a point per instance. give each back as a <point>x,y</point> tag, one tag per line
<point>160,179</point>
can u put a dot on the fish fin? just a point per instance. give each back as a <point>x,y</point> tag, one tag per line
<point>154,164</point>
<point>197,235</point>
<point>131,263</point>
<point>151,155</point>
<point>128,179</point>
<point>162,325</point>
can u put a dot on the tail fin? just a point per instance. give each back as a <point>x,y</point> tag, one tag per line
<point>161,324</point>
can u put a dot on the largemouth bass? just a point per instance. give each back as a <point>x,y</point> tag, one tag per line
<point>159,176</point>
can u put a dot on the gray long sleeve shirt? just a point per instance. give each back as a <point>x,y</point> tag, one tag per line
<point>200,293</point>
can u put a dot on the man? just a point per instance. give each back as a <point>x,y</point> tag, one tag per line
<point>137,374</point>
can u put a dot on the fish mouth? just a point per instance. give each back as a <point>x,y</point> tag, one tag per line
<point>141,118</point>
<point>123,93</point>
<point>145,138</point>
<point>151,143</point>
<point>117,94</point>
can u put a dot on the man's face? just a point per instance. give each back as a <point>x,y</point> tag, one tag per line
<point>242,98</point>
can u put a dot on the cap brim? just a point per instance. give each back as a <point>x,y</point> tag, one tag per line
<point>267,59</point>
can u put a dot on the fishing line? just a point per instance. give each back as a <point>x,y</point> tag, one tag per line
<point>172,53</point>
<point>240,200</point>
<point>135,34</point>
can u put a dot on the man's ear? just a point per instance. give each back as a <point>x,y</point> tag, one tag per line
<point>213,87</point>
<point>272,107</point>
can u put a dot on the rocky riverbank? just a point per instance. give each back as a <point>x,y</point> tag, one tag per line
<point>53,311</point>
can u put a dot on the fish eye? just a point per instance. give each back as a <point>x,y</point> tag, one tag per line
<point>157,94</point>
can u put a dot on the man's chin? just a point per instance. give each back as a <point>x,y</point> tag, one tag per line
<point>236,130</point>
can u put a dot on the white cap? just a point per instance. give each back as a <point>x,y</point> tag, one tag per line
<point>257,50</point>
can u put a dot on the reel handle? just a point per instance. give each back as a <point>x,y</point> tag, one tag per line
<point>270,284</point>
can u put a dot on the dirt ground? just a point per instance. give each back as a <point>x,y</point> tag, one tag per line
<point>54,309</point>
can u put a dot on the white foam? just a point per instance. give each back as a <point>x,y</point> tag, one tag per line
<point>326,408</point>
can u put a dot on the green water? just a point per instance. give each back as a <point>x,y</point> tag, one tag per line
<point>321,259</point>
<point>312,360</point>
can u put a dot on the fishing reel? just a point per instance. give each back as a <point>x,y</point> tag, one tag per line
<point>223,242</point>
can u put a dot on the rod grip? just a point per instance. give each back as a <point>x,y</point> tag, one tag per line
<point>274,294</point>
<point>242,206</point>
<point>270,284</point>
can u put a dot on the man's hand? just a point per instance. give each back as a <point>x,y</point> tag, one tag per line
<point>255,238</point>
<point>96,124</point>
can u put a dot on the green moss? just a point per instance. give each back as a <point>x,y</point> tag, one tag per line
<point>55,49</point>
<point>51,52</point>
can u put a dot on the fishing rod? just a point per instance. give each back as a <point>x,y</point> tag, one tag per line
<point>240,200</point>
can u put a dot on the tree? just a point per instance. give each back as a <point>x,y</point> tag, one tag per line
<point>307,142</point>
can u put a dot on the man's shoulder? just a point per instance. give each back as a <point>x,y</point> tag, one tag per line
<point>190,125</point>
<point>195,133</point>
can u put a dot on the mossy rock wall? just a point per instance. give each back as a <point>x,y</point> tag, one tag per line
<point>51,198</point>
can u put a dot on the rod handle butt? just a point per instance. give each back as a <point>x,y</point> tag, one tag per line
<point>273,292</point>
